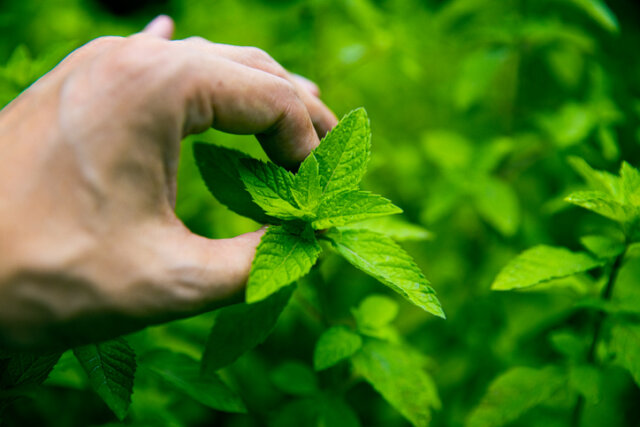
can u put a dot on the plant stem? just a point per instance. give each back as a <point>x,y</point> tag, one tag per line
<point>597,330</point>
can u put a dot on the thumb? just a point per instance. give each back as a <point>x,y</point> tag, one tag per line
<point>204,272</point>
<point>161,26</point>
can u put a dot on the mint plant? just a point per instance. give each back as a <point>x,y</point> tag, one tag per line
<point>613,337</point>
<point>314,204</point>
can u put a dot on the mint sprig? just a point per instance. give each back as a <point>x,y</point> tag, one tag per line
<point>313,205</point>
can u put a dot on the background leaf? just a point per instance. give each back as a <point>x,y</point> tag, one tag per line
<point>625,344</point>
<point>335,344</point>
<point>240,327</point>
<point>111,367</point>
<point>183,373</point>
<point>400,378</point>
<point>540,264</point>
<point>515,392</point>
<point>295,378</point>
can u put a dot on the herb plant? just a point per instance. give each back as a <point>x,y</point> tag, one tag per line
<point>612,335</point>
<point>320,202</point>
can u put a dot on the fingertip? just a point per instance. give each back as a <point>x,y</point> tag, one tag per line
<point>161,26</point>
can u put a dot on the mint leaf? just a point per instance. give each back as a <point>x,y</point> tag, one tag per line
<point>26,368</point>
<point>392,226</point>
<point>295,378</point>
<point>515,392</point>
<point>540,264</point>
<point>382,258</point>
<point>335,344</point>
<point>600,13</point>
<point>270,187</point>
<point>239,328</point>
<point>220,170</point>
<point>630,180</point>
<point>597,180</point>
<point>111,367</point>
<point>283,256</point>
<point>343,154</point>
<point>183,373</point>
<point>399,376</point>
<point>586,380</point>
<point>602,204</point>
<point>625,344</point>
<point>306,188</point>
<point>350,206</point>
<point>375,312</point>
<point>335,412</point>
<point>602,246</point>
<point>497,203</point>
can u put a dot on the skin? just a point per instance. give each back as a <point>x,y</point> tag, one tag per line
<point>91,247</point>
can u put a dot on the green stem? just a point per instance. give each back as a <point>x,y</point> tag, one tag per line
<point>597,331</point>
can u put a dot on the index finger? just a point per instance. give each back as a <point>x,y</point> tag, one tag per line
<point>234,98</point>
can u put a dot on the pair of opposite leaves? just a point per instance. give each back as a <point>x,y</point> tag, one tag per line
<point>320,201</point>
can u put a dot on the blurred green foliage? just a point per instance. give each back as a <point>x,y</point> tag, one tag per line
<point>476,107</point>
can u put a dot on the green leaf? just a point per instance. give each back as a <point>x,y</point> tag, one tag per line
<point>335,412</point>
<point>600,203</point>
<point>569,125</point>
<point>282,257</point>
<point>600,13</point>
<point>183,373</point>
<point>239,328</point>
<point>597,180</point>
<point>394,227</point>
<point>351,206</point>
<point>220,170</point>
<point>586,380</point>
<point>343,154</point>
<point>541,264</point>
<point>375,312</point>
<point>625,344</point>
<point>26,368</point>
<point>382,258</point>
<point>306,188</point>
<point>448,150</point>
<point>570,345</point>
<point>270,187</point>
<point>335,344</point>
<point>295,378</point>
<point>497,203</point>
<point>602,246</point>
<point>111,367</point>
<point>630,180</point>
<point>399,376</point>
<point>515,392</point>
<point>303,411</point>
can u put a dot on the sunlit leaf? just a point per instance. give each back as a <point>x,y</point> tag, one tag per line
<point>541,264</point>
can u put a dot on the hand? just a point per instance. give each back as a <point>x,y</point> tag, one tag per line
<point>91,247</point>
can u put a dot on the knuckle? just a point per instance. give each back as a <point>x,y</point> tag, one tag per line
<point>286,90</point>
<point>262,60</point>
<point>257,54</point>
<point>196,40</point>
<point>104,41</point>
<point>138,54</point>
